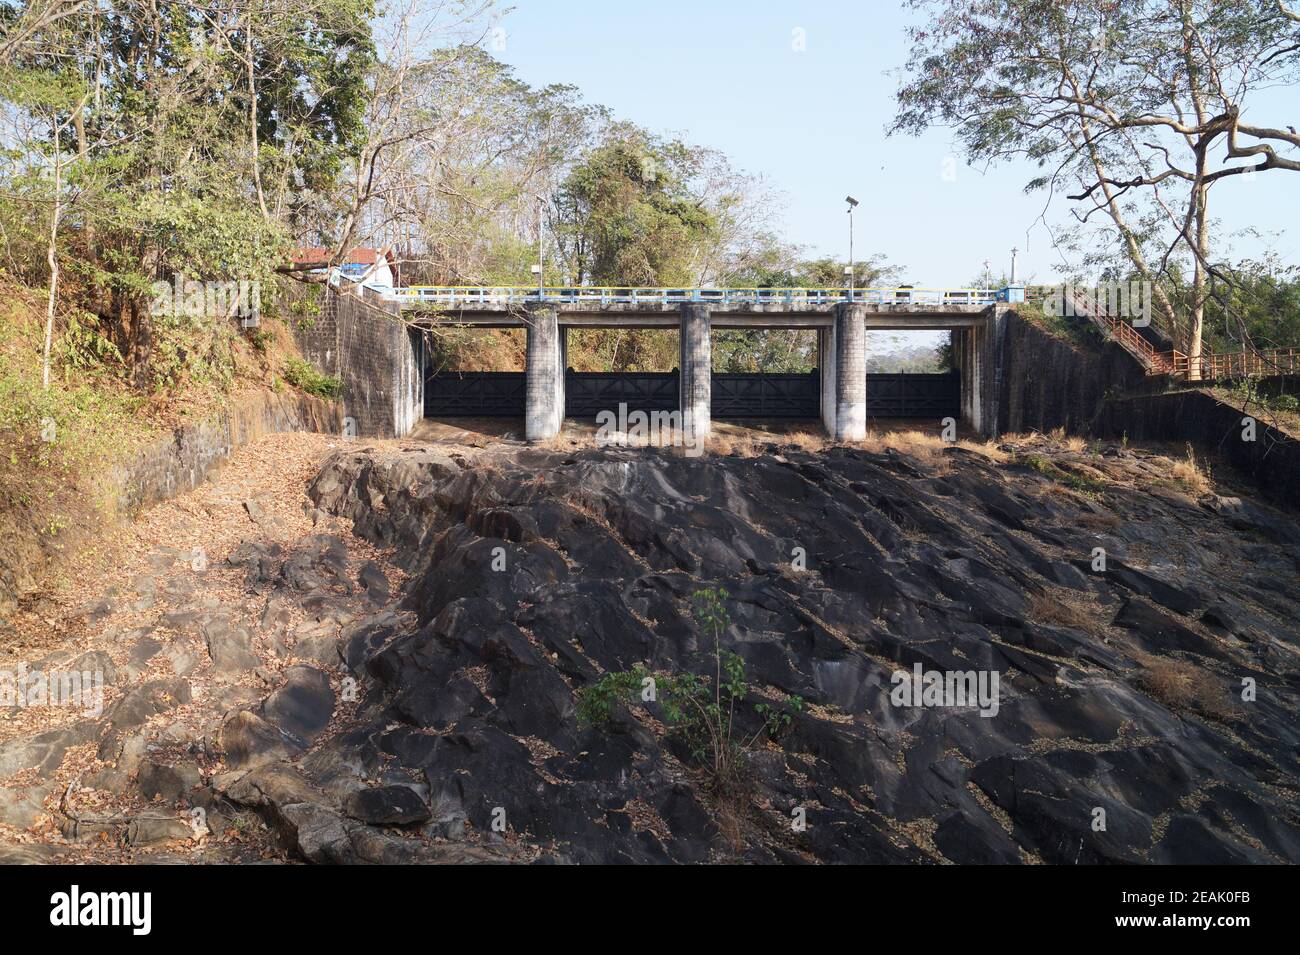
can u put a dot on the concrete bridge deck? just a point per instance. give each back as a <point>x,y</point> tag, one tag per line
<point>841,318</point>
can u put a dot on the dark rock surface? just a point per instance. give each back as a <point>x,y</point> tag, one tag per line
<point>1120,691</point>
<point>315,698</point>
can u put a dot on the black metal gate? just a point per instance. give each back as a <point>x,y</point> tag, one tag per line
<point>455,394</point>
<point>914,396</point>
<point>501,394</point>
<point>766,395</point>
<point>587,393</point>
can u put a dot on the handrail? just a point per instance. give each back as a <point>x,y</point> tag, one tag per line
<point>716,296</point>
<point>1241,364</point>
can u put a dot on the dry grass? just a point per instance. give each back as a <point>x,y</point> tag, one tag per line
<point>1055,612</point>
<point>1192,474</point>
<point>1105,521</point>
<point>745,444</point>
<point>805,441</point>
<point>988,449</point>
<point>1183,686</point>
<point>1076,444</point>
<point>928,449</point>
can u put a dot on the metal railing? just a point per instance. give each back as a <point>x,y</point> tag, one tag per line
<point>800,297</point>
<point>1242,364</point>
<point>1156,362</point>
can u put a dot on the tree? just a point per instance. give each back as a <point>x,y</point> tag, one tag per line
<point>51,101</point>
<point>162,188</point>
<point>626,217</point>
<point>1140,105</point>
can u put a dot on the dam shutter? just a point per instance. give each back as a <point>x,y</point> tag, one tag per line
<point>914,396</point>
<point>766,395</point>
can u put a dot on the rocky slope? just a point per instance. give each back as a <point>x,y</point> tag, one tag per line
<point>409,693</point>
<point>1119,690</point>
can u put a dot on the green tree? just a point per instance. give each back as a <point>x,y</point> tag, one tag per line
<point>184,112</point>
<point>625,217</point>
<point>1141,106</point>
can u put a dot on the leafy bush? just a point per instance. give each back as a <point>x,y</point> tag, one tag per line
<point>699,711</point>
<point>302,375</point>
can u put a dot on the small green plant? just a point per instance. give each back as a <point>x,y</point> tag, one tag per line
<point>699,711</point>
<point>302,375</point>
<point>259,338</point>
<point>1076,482</point>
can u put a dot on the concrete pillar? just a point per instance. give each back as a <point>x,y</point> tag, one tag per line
<point>826,366</point>
<point>966,358</point>
<point>994,364</point>
<point>695,381</point>
<point>973,378</point>
<point>850,344</point>
<point>544,375</point>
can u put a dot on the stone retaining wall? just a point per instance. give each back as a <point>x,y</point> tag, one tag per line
<point>1272,460</point>
<point>180,461</point>
<point>1044,382</point>
<point>360,339</point>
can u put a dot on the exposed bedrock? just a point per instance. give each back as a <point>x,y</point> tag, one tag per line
<point>533,573</point>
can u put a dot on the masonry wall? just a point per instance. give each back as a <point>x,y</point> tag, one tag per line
<point>380,361</point>
<point>1040,382</point>
<point>183,459</point>
<point>319,341</point>
<point>1272,460</point>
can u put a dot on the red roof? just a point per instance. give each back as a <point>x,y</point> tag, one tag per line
<point>311,255</point>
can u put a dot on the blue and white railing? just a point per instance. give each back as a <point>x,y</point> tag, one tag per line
<point>469,296</point>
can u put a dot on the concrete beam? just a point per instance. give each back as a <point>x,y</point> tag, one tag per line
<point>544,375</point>
<point>850,345</point>
<point>696,371</point>
<point>915,318</point>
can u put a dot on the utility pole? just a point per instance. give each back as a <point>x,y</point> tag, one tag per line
<point>849,271</point>
<point>1014,250</point>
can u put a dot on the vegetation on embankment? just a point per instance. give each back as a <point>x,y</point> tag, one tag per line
<point>65,449</point>
<point>1074,330</point>
<point>1270,400</point>
<point>1251,441</point>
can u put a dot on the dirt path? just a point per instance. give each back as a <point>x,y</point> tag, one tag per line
<point>179,636</point>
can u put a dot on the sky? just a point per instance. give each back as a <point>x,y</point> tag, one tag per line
<point>731,74</point>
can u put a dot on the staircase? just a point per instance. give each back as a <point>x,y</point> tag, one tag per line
<point>1210,367</point>
<point>1154,361</point>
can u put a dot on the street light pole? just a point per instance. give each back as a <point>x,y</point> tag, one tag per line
<point>541,284</point>
<point>852,205</point>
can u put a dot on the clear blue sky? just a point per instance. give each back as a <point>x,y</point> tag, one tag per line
<point>723,73</point>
